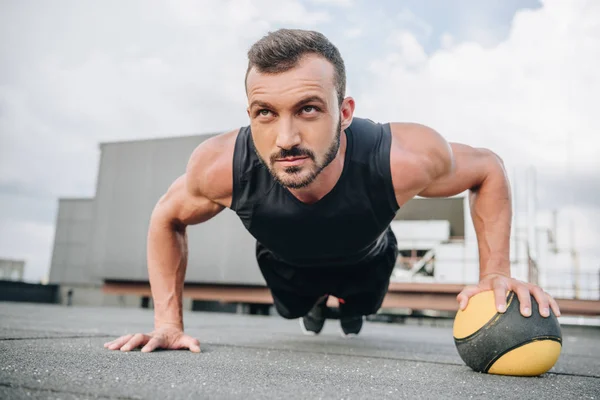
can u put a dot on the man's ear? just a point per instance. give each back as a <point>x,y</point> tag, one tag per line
<point>347,112</point>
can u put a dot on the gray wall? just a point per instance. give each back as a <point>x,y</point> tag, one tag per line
<point>105,238</point>
<point>69,263</point>
<point>444,209</point>
<point>12,270</point>
<point>132,177</point>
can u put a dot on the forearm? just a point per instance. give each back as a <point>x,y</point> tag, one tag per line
<point>491,211</point>
<point>167,263</point>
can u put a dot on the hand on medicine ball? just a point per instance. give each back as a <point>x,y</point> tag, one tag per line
<point>501,284</point>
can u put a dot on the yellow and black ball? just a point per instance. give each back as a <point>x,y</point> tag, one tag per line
<point>506,343</point>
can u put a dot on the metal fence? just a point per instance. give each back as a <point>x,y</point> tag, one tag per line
<point>583,285</point>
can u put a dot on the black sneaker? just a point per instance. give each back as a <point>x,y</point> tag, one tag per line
<point>312,323</point>
<point>351,326</point>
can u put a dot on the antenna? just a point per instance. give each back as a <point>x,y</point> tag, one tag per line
<point>516,218</point>
<point>554,231</point>
<point>575,259</point>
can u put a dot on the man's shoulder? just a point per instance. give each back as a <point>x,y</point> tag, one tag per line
<point>418,154</point>
<point>366,136</point>
<point>408,138</point>
<point>414,139</point>
<point>411,136</point>
<point>210,168</point>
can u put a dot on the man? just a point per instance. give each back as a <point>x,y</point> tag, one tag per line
<point>318,188</point>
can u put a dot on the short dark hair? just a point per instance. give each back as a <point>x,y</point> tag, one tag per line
<point>281,51</point>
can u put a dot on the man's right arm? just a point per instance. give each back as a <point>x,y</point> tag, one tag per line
<point>167,249</point>
<point>195,197</point>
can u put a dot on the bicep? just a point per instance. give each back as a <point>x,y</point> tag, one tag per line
<point>205,188</point>
<point>469,168</point>
<point>182,205</point>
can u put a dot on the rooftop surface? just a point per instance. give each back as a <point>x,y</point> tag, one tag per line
<point>56,352</point>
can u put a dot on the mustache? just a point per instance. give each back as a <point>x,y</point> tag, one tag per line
<point>293,152</point>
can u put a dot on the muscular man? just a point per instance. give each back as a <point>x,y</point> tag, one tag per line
<point>318,187</point>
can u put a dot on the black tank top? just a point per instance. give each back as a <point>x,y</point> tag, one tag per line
<point>346,227</point>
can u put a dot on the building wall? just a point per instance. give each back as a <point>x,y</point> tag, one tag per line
<point>450,209</point>
<point>132,177</point>
<point>455,243</point>
<point>11,270</point>
<point>69,263</point>
<point>92,296</point>
<point>105,238</point>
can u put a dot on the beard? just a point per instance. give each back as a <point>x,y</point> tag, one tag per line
<point>298,177</point>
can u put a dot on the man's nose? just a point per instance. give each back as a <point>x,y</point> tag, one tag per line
<point>288,135</point>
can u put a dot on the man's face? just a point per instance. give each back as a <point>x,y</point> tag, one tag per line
<point>295,120</point>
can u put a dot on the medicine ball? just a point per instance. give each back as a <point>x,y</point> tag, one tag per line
<point>506,343</point>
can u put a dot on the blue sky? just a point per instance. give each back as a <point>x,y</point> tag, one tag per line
<point>485,22</point>
<point>518,77</point>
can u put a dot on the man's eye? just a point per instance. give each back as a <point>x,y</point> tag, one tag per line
<point>309,109</point>
<point>264,113</point>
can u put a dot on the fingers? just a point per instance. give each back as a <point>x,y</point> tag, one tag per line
<point>117,343</point>
<point>500,290</point>
<point>465,294</point>
<point>136,341</point>
<point>524,296</point>
<point>542,299</point>
<point>191,343</point>
<point>524,291</point>
<point>554,306</point>
<point>152,344</point>
<point>545,302</point>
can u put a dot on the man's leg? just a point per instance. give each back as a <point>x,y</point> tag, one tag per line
<point>311,310</point>
<point>363,304</point>
<point>292,298</point>
<point>355,307</point>
<point>375,280</point>
<point>292,305</point>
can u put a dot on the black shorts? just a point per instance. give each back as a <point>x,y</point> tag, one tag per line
<point>360,288</point>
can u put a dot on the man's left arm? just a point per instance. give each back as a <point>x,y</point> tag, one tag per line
<point>454,168</point>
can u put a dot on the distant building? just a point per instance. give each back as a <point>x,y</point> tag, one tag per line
<point>103,239</point>
<point>12,270</point>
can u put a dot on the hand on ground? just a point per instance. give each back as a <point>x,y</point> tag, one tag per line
<point>169,338</point>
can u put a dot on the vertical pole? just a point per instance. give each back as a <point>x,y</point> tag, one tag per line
<point>516,218</point>
<point>575,260</point>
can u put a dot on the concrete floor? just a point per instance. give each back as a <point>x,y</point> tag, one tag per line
<point>56,352</point>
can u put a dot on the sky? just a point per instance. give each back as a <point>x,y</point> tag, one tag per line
<point>516,76</point>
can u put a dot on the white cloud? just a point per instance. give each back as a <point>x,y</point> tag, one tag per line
<point>353,33</point>
<point>86,73</point>
<point>409,52</point>
<point>191,77</point>
<point>409,21</point>
<point>337,3</point>
<point>73,74</point>
<point>532,98</point>
<point>523,97</point>
<point>447,40</point>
